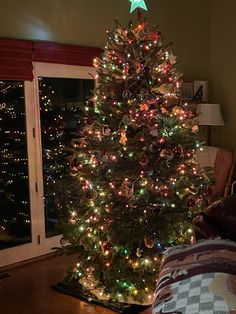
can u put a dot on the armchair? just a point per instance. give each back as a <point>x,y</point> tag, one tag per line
<point>222,161</point>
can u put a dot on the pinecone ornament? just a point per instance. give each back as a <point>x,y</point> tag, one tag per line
<point>91,194</point>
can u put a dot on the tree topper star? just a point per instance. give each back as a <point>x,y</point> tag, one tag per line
<point>137,4</point>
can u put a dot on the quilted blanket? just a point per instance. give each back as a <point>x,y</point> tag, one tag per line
<point>198,279</point>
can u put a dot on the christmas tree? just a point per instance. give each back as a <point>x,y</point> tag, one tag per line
<point>138,181</point>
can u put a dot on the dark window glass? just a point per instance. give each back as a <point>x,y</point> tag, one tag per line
<point>15,225</point>
<point>60,113</point>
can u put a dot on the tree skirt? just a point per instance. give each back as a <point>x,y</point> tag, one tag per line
<point>79,292</point>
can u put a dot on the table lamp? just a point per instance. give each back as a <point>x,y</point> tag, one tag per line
<point>209,115</point>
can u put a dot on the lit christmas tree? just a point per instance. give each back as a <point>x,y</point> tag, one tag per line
<point>138,181</point>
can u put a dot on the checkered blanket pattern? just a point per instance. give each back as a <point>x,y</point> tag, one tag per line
<point>192,296</point>
<point>187,284</point>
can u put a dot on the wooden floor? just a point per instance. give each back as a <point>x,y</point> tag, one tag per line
<point>28,290</point>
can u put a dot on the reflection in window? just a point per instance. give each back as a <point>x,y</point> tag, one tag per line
<point>15,228</point>
<point>60,114</point>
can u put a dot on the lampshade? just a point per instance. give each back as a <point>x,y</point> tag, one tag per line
<point>209,114</point>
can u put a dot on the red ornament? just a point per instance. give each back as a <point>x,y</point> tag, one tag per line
<point>106,246</point>
<point>191,202</point>
<point>149,241</point>
<point>153,36</point>
<point>161,140</point>
<point>178,151</point>
<point>143,160</point>
<point>208,192</point>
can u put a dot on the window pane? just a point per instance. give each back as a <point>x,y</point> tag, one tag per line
<point>15,227</point>
<point>60,114</point>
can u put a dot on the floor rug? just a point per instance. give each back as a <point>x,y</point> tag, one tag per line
<point>83,295</point>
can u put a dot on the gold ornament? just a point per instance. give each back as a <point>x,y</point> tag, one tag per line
<point>177,110</point>
<point>195,129</point>
<point>144,107</point>
<point>123,138</point>
<point>163,89</point>
<point>139,252</point>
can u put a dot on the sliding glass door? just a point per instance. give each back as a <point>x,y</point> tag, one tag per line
<point>39,123</point>
<point>18,212</point>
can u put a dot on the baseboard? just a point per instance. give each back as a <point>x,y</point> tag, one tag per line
<point>28,261</point>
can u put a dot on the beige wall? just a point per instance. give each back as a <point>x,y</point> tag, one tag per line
<point>84,22</point>
<point>223,68</point>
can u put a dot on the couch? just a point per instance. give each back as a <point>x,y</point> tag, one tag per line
<point>201,278</point>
